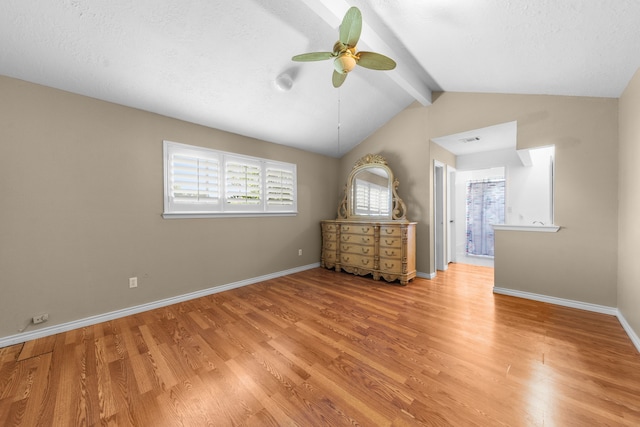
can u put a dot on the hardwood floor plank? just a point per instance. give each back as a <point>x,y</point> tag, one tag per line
<point>274,411</point>
<point>106,402</point>
<point>325,348</point>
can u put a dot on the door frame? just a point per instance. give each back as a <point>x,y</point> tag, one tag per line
<point>451,214</point>
<point>439,214</point>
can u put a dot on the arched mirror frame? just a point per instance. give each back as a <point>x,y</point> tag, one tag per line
<point>346,208</point>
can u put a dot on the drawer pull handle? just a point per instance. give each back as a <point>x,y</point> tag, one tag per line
<point>345,259</point>
<point>365,240</point>
<point>388,231</point>
<point>388,242</point>
<point>346,238</point>
<point>392,253</point>
<point>365,262</point>
<point>388,266</point>
<point>346,248</point>
<point>365,229</point>
<point>345,228</point>
<point>365,250</point>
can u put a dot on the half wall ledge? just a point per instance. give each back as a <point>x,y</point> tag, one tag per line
<point>534,228</point>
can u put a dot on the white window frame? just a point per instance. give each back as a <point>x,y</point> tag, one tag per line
<point>284,204</point>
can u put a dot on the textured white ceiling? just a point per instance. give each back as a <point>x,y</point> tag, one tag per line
<point>215,63</point>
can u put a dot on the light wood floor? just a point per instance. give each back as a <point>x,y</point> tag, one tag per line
<point>324,348</point>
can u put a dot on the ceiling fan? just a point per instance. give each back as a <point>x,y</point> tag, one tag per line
<point>344,51</point>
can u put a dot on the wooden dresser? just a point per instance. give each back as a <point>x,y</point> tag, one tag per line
<point>371,234</point>
<point>384,249</point>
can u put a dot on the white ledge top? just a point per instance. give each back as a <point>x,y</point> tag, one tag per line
<point>535,228</point>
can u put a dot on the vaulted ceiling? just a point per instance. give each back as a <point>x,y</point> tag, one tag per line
<point>227,64</point>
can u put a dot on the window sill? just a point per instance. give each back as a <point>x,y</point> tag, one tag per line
<point>226,215</point>
<point>534,228</point>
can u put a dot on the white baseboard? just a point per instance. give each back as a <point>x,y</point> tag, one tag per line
<point>92,320</point>
<point>632,334</point>
<point>426,275</point>
<point>613,311</point>
<point>558,301</point>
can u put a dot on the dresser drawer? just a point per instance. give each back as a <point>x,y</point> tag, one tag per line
<point>350,248</point>
<point>392,252</point>
<point>390,265</point>
<point>329,236</point>
<point>329,256</point>
<point>329,227</point>
<point>390,231</point>
<point>357,239</point>
<point>360,229</point>
<point>356,260</point>
<point>390,242</point>
<point>329,245</point>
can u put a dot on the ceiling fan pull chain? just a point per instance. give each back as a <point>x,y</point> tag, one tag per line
<point>339,124</point>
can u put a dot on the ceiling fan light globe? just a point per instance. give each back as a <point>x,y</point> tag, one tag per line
<point>284,82</point>
<point>345,63</point>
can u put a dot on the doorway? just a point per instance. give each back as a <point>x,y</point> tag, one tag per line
<point>478,203</point>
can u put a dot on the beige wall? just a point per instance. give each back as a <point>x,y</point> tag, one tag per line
<point>81,182</point>
<point>404,143</point>
<point>577,263</point>
<point>629,205</point>
<point>82,198</point>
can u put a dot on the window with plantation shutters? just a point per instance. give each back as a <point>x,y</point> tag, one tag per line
<point>243,182</point>
<point>195,180</point>
<point>203,182</point>
<point>280,186</point>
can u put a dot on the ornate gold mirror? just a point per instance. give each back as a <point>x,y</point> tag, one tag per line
<point>370,192</point>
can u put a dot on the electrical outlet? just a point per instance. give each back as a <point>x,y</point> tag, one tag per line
<point>133,282</point>
<point>299,252</point>
<point>40,318</point>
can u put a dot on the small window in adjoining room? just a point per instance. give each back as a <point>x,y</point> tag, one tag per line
<point>485,207</point>
<point>200,182</point>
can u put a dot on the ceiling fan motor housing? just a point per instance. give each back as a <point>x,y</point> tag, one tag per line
<point>344,63</point>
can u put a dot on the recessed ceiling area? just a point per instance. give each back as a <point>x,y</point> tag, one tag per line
<point>221,64</point>
<point>492,138</point>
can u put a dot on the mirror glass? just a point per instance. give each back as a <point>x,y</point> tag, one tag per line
<point>371,192</point>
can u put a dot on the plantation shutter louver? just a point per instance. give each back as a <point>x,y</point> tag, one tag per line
<point>194,179</point>
<point>280,186</point>
<point>243,182</point>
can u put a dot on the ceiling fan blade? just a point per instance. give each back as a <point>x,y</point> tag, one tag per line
<point>313,56</point>
<point>351,27</point>
<point>375,61</point>
<point>338,78</point>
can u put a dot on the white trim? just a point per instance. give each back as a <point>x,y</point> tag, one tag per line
<point>439,234</point>
<point>627,328</point>
<point>175,215</point>
<point>105,317</point>
<point>537,228</point>
<point>558,301</point>
<point>426,275</point>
